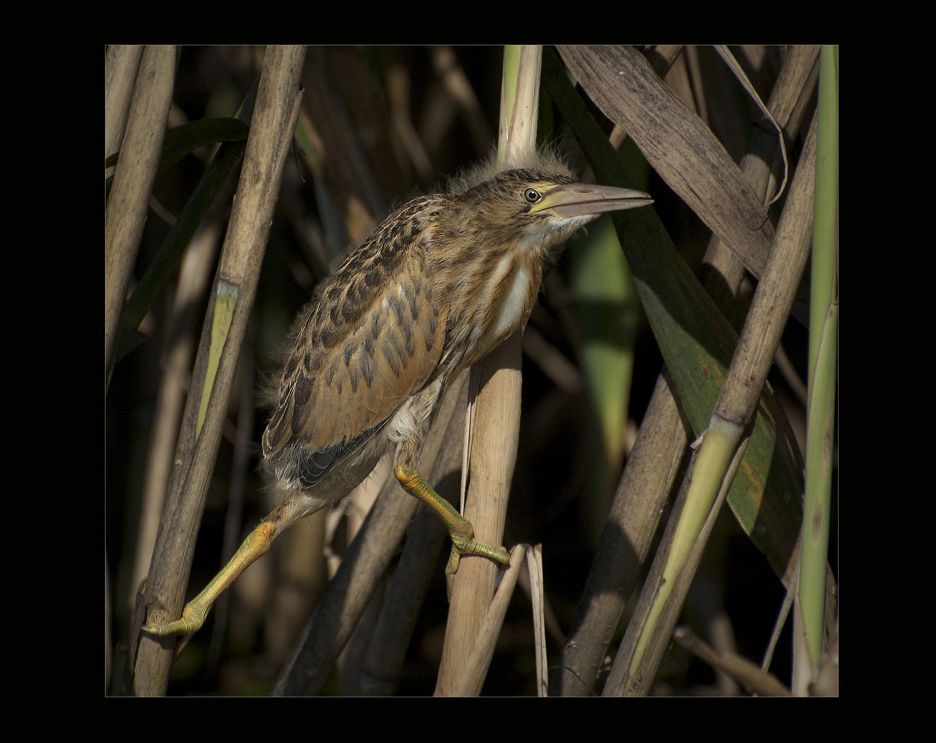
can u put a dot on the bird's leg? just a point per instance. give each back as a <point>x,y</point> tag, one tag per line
<point>193,615</point>
<point>459,528</point>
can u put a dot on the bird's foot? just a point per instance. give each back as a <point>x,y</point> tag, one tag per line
<point>192,620</point>
<point>466,544</point>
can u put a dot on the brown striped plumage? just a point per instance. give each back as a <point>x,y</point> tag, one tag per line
<point>440,282</point>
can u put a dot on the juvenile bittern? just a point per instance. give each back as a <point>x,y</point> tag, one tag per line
<point>441,281</point>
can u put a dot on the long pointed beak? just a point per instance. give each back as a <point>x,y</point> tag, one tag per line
<point>582,199</point>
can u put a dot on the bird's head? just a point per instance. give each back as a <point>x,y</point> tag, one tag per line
<point>543,205</point>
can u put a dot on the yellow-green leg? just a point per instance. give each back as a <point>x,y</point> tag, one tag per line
<point>459,528</point>
<point>194,613</point>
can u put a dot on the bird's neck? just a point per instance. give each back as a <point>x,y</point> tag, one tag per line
<point>485,297</point>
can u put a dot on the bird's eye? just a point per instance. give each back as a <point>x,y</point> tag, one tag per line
<point>531,195</point>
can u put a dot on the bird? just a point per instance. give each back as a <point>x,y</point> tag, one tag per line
<point>437,285</point>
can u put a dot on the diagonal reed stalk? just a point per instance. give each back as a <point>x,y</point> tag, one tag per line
<point>722,445</point>
<point>272,127</point>
<point>621,84</point>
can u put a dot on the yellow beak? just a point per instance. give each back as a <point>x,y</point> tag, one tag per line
<point>581,199</point>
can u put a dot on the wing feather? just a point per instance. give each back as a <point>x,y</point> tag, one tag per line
<point>373,338</point>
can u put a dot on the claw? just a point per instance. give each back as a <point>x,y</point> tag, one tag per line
<point>470,546</point>
<point>191,621</point>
